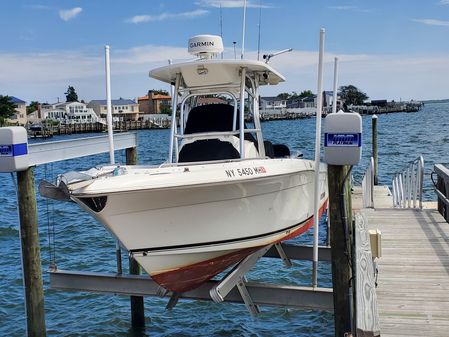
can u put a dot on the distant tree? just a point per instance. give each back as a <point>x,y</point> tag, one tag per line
<point>34,105</point>
<point>166,110</point>
<point>160,92</point>
<point>352,95</point>
<point>305,93</point>
<point>7,109</point>
<point>283,95</point>
<point>71,95</point>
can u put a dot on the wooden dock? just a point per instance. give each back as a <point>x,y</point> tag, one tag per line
<point>413,272</point>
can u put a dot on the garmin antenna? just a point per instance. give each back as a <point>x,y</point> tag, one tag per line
<point>267,57</point>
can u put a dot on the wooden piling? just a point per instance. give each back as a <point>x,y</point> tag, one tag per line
<point>374,142</point>
<point>137,307</point>
<point>131,156</point>
<point>340,218</point>
<point>31,257</point>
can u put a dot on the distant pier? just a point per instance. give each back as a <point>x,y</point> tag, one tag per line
<point>386,107</point>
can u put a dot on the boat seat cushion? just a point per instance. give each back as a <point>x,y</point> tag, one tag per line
<point>210,118</point>
<point>213,118</point>
<point>207,149</point>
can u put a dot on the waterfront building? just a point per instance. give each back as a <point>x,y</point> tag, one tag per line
<point>65,113</point>
<point>122,109</point>
<point>154,103</point>
<point>270,103</point>
<point>20,118</point>
<point>299,103</point>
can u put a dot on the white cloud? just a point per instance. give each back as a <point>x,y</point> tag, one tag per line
<point>54,71</point>
<point>351,8</point>
<point>382,76</point>
<point>69,14</point>
<point>342,8</point>
<point>433,22</point>
<point>444,2</point>
<point>37,6</point>
<point>231,4</point>
<point>165,16</point>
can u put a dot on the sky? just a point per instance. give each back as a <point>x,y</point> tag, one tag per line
<point>390,49</point>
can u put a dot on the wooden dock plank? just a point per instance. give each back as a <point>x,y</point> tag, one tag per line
<point>413,287</point>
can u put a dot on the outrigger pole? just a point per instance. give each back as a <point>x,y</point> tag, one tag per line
<point>317,160</point>
<point>109,105</point>
<point>243,30</point>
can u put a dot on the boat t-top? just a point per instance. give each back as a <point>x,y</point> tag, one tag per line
<point>224,192</point>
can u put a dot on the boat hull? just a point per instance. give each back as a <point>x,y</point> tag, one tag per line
<point>184,235</point>
<point>193,275</point>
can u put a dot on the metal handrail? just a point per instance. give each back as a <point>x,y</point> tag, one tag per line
<point>368,186</point>
<point>408,185</point>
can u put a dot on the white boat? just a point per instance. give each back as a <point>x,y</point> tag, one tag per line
<point>224,192</point>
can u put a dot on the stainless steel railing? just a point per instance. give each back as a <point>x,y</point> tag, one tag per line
<point>368,186</point>
<point>408,185</point>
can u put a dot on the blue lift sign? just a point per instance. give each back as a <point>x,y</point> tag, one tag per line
<point>343,139</point>
<point>13,150</point>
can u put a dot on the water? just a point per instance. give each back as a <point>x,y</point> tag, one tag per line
<point>82,244</point>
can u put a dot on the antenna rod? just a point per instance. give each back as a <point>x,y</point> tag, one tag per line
<point>334,102</point>
<point>258,40</point>
<point>221,27</point>
<point>268,57</point>
<point>243,30</point>
<point>109,105</point>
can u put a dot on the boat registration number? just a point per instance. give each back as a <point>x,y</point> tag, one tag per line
<point>245,171</point>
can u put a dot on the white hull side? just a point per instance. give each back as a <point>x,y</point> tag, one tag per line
<point>185,225</point>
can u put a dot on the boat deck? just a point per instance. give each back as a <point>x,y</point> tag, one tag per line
<point>413,287</point>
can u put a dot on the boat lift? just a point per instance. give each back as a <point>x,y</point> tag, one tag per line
<point>233,287</point>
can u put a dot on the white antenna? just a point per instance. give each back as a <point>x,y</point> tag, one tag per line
<point>258,39</point>
<point>243,30</point>
<point>109,105</point>
<point>334,102</point>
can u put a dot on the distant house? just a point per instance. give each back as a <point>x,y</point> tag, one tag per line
<point>20,118</point>
<point>306,102</point>
<point>270,103</point>
<point>154,103</point>
<point>328,99</point>
<point>122,109</point>
<point>65,113</point>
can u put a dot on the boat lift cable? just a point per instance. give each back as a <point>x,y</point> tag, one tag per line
<point>343,211</point>
<point>50,223</point>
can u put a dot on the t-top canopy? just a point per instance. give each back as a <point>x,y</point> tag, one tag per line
<point>201,73</point>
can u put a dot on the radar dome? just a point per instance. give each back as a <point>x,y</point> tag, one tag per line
<point>205,46</point>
